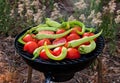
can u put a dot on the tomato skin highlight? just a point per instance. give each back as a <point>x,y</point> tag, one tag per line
<point>41,42</point>
<point>59,40</point>
<point>72,36</point>
<point>72,53</point>
<point>57,51</point>
<point>29,37</point>
<point>60,31</point>
<point>43,54</point>
<point>30,47</point>
<point>75,29</point>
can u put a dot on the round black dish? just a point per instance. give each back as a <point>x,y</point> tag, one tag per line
<point>59,70</point>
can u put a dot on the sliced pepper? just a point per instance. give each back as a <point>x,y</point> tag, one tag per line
<point>37,51</point>
<point>78,42</point>
<point>62,55</point>
<point>84,49</point>
<point>52,36</point>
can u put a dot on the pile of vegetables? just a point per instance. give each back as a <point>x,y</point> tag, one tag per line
<point>58,41</point>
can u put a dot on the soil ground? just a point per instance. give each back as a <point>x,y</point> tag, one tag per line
<point>14,70</point>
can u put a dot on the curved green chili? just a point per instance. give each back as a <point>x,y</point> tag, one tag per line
<point>77,42</point>
<point>52,23</point>
<point>65,25</point>
<point>90,29</point>
<point>52,36</point>
<point>84,49</point>
<point>37,50</point>
<point>46,28</point>
<point>57,58</point>
<point>78,23</point>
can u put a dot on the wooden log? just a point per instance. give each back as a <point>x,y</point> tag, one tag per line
<point>29,74</point>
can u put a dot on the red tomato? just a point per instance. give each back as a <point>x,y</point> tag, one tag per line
<point>45,32</point>
<point>43,54</point>
<point>73,36</point>
<point>76,28</point>
<point>59,40</point>
<point>60,31</point>
<point>41,42</point>
<point>87,34</point>
<point>73,53</point>
<point>29,37</point>
<point>30,46</point>
<point>57,51</point>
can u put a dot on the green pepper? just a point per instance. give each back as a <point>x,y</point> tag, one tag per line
<point>78,42</point>
<point>84,49</point>
<point>52,23</point>
<point>57,58</point>
<point>20,40</point>
<point>46,28</point>
<point>37,50</point>
<point>90,29</point>
<point>65,25</point>
<point>78,23</point>
<point>52,36</point>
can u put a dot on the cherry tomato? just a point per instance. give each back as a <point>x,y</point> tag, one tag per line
<point>29,37</point>
<point>30,46</point>
<point>72,53</point>
<point>57,51</point>
<point>73,36</point>
<point>75,29</point>
<point>41,42</point>
<point>60,31</point>
<point>87,34</point>
<point>45,32</point>
<point>59,40</point>
<point>43,54</point>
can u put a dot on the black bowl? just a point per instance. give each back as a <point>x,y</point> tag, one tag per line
<point>65,68</point>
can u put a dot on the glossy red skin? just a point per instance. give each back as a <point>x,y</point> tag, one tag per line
<point>76,28</point>
<point>72,36</point>
<point>60,31</point>
<point>43,54</point>
<point>29,37</point>
<point>41,42</point>
<point>30,46</point>
<point>59,40</point>
<point>73,53</point>
<point>57,51</point>
<point>87,34</point>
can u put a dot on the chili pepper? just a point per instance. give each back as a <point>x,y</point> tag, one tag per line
<point>90,29</point>
<point>52,36</point>
<point>20,40</point>
<point>37,51</point>
<point>65,25</point>
<point>74,23</point>
<point>52,23</point>
<point>61,56</point>
<point>84,49</point>
<point>77,42</point>
<point>46,28</point>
